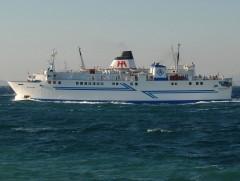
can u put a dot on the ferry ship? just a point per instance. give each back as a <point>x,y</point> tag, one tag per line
<point>122,81</point>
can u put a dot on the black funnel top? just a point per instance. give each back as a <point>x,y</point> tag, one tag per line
<point>125,55</point>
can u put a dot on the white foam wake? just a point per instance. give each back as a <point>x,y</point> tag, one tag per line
<point>158,130</point>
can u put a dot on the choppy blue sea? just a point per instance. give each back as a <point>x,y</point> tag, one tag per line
<point>111,141</point>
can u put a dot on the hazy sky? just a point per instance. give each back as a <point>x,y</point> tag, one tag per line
<point>209,31</point>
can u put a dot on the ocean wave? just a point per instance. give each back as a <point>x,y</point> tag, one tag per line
<point>18,98</point>
<point>227,101</point>
<point>120,102</point>
<point>209,167</point>
<point>68,102</point>
<point>34,130</point>
<point>7,95</point>
<point>158,130</point>
<point>78,102</point>
<point>234,100</point>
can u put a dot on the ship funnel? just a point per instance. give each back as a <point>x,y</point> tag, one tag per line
<point>125,61</point>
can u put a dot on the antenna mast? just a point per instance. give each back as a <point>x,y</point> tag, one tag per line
<point>51,62</point>
<point>178,56</point>
<point>174,57</point>
<point>82,63</point>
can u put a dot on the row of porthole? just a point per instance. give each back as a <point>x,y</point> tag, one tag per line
<point>54,82</point>
<point>101,83</point>
<point>89,83</point>
<point>131,83</point>
<point>78,83</point>
<point>197,83</point>
<point>190,83</point>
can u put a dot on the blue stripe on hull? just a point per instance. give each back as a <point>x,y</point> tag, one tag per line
<point>151,93</point>
<point>124,88</point>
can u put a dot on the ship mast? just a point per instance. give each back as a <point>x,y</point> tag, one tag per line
<point>82,63</point>
<point>51,62</point>
<point>178,56</point>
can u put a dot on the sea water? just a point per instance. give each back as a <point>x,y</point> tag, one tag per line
<point>115,141</point>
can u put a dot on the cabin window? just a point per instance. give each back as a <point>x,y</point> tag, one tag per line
<point>85,83</point>
<point>131,83</point>
<point>117,83</point>
<point>113,83</point>
<point>77,83</point>
<point>59,82</point>
<point>54,82</point>
<point>190,83</point>
<point>172,83</point>
<point>101,83</point>
<point>49,82</point>
<point>175,83</point>
<point>136,83</point>
<point>197,83</point>
<point>89,83</point>
<point>98,83</point>
<point>201,83</point>
<point>94,83</point>
<point>81,83</point>
<point>92,71</point>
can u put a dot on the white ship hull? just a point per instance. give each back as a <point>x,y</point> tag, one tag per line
<point>124,82</point>
<point>124,91</point>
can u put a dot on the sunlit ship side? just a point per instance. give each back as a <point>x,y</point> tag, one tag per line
<point>124,82</point>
